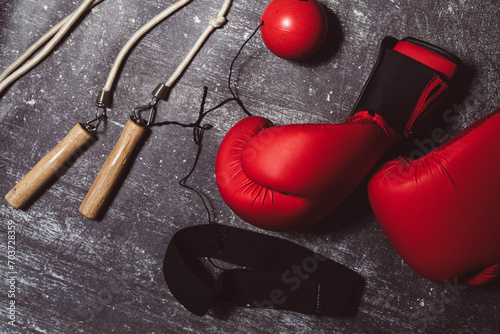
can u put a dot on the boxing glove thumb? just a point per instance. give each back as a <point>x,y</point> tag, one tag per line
<point>440,211</point>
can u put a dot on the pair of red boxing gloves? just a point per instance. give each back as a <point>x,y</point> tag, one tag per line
<point>438,211</point>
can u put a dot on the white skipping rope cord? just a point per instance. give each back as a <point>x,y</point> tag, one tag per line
<point>54,35</point>
<point>215,22</point>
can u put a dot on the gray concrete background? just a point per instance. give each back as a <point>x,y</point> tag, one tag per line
<point>76,275</point>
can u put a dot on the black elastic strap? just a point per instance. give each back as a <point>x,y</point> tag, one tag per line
<point>272,273</point>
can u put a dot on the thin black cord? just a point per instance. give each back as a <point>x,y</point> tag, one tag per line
<point>198,134</point>
<point>231,70</point>
<point>199,130</point>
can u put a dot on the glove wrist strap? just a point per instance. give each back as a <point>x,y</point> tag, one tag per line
<point>400,89</point>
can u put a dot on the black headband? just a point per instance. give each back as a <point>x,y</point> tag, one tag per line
<point>272,273</point>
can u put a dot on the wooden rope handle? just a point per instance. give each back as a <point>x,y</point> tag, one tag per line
<point>108,178</point>
<point>51,166</point>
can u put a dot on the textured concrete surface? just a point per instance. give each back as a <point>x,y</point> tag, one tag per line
<point>76,275</point>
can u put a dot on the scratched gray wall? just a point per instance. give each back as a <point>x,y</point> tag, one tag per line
<point>76,275</point>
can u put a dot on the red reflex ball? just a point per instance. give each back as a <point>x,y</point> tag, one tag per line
<point>294,29</point>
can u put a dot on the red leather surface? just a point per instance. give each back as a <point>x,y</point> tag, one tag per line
<point>288,177</point>
<point>293,29</point>
<point>440,212</point>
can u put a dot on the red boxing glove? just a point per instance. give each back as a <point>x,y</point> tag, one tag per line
<point>289,177</point>
<point>440,211</point>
